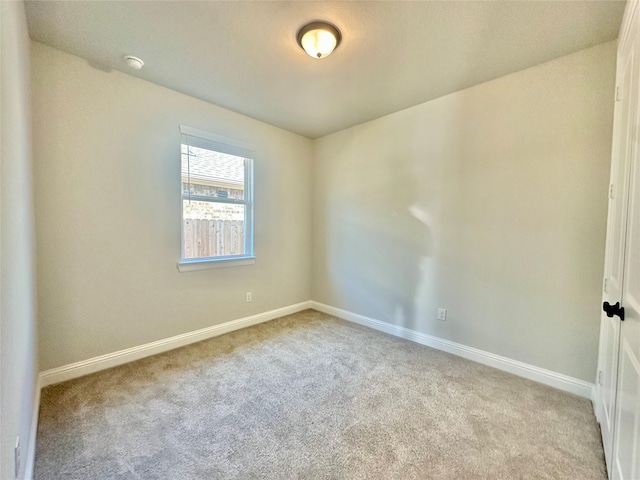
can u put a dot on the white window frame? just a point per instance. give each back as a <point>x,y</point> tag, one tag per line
<point>232,147</point>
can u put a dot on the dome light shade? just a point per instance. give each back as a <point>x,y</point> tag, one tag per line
<point>319,39</point>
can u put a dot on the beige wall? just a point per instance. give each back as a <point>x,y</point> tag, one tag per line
<point>19,364</point>
<point>107,178</point>
<point>490,202</point>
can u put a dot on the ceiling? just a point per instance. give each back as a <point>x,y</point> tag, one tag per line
<point>243,55</point>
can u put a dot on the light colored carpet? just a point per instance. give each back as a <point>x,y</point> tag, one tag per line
<point>309,396</point>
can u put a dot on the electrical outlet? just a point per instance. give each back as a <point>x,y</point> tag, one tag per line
<point>249,297</point>
<point>442,314</point>
<point>16,457</point>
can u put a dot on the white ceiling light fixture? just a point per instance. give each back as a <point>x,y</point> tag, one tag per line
<point>319,39</point>
<point>133,62</point>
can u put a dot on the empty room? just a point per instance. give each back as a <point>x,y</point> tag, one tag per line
<point>320,240</point>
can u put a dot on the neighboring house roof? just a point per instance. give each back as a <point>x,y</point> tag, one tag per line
<point>210,166</point>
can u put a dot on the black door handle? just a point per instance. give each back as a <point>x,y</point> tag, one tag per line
<point>612,310</point>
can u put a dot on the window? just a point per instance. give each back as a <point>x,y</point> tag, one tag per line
<point>217,201</point>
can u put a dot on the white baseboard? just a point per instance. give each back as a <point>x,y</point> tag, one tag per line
<point>531,372</point>
<point>31,449</point>
<point>85,367</point>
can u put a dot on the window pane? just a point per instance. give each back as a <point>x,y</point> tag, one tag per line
<point>212,229</point>
<point>212,174</point>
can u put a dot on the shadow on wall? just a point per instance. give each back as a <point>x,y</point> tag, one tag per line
<point>383,237</point>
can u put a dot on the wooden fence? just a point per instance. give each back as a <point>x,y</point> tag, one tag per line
<point>210,238</point>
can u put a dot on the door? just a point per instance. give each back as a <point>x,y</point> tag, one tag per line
<point>626,444</point>
<point>618,392</point>
<point>626,451</point>
<point>615,247</point>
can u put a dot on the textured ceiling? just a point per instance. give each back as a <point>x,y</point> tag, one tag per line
<point>243,55</point>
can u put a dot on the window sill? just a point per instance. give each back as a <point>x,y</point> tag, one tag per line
<point>190,266</point>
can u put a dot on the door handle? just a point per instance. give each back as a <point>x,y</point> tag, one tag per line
<point>612,310</point>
